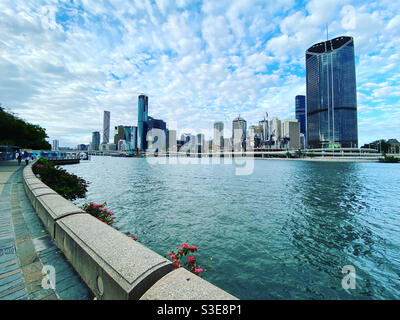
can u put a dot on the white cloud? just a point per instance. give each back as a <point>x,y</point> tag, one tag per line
<point>63,64</point>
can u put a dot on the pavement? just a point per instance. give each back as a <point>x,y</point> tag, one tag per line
<point>31,265</point>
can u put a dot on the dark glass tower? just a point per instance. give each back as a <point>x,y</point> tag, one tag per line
<point>331,94</point>
<point>301,112</point>
<point>143,103</point>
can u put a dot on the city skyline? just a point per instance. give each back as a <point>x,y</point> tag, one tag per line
<point>61,73</point>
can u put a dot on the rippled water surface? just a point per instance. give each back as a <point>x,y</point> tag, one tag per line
<point>283,232</point>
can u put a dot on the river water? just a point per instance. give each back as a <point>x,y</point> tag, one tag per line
<point>285,231</point>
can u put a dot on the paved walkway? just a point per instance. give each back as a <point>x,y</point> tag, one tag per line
<point>26,247</point>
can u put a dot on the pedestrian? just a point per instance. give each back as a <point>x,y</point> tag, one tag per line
<point>27,158</point>
<point>18,157</point>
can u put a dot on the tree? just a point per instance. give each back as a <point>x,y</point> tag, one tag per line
<point>15,131</point>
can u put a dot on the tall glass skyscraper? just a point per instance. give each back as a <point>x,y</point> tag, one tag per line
<point>239,128</point>
<point>218,140</point>
<point>95,140</point>
<point>143,108</point>
<point>106,127</point>
<point>331,94</point>
<point>301,112</point>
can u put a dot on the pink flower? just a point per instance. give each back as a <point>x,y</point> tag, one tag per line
<point>191,259</point>
<point>173,256</point>
<point>198,270</point>
<point>184,245</point>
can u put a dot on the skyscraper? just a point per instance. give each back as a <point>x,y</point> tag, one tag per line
<point>55,145</point>
<point>106,127</point>
<point>218,140</point>
<point>171,141</point>
<point>143,103</point>
<point>331,94</point>
<point>300,102</point>
<point>95,140</point>
<point>264,131</point>
<point>291,134</point>
<point>239,127</point>
<point>156,134</point>
<point>275,131</point>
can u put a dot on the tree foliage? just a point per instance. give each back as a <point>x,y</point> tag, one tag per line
<point>16,132</point>
<point>64,183</point>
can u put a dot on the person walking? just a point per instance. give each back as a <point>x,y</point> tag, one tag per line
<point>27,158</point>
<point>19,157</point>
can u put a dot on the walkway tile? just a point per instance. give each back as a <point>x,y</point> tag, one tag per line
<point>26,247</point>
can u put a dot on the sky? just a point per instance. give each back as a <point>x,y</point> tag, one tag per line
<point>64,62</point>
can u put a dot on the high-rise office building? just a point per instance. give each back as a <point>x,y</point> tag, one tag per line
<point>143,108</point>
<point>218,141</point>
<point>171,141</point>
<point>131,137</point>
<point>106,127</point>
<point>264,131</point>
<point>300,103</point>
<point>119,134</point>
<point>156,134</point>
<point>239,128</point>
<point>291,134</point>
<point>201,144</point>
<point>55,145</point>
<point>275,131</point>
<point>95,140</point>
<point>331,94</point>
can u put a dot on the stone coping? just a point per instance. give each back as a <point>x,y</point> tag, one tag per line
<point>113,265</point>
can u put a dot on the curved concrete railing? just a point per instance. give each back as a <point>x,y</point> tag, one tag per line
<point>111,264</point>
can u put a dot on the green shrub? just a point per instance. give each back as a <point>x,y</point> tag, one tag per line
<point>65,184</point>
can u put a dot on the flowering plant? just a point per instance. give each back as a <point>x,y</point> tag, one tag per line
<point>191,262</point>
<point>100,212</point>
<point>131,236</point>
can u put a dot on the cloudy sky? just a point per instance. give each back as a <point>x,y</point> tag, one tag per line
<point>63,62</point>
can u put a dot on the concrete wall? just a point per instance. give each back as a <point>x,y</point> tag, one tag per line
<point>113,265</point>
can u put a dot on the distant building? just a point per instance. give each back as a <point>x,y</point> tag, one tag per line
<point>331,94</point>
<point>130,134</point>
<point>143,109</point>
<point>171,141</point>
<point>300,102</point>
<point>218,141</point>
<point>275,131</point>
<point>200,139</point>
<point>106,127</point>
<point>302,141</point>
<point>119,134</point>
<point>122,145</point>
<point>95,140</point>
<point>264,125</point>
<point>156,134</point>
<point>394,146</point>
<point>55,146</point>
<point>253,137</point>
<point>81,147</point>
<point>239,128</point>
<point>290,134</point>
